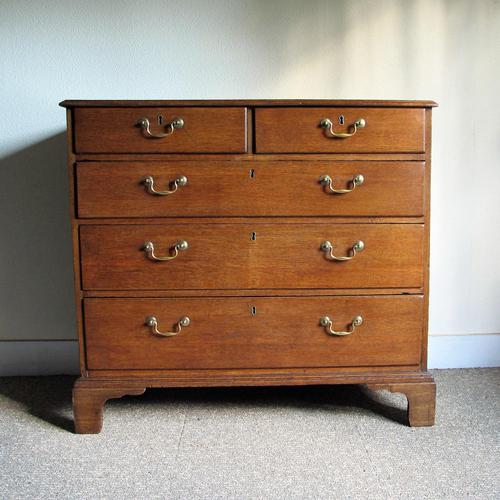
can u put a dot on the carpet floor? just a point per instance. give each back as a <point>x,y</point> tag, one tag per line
<point>303,442</point>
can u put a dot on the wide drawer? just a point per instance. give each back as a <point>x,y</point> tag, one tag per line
<point>252,332</point>
<point>250,255</point>
<point>299,130</point>
<point>119,130</point>
<point>222,188</point>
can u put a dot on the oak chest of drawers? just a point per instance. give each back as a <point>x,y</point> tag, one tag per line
<point>233,243</point>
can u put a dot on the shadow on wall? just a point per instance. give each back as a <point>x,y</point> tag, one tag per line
<point>36,271</point>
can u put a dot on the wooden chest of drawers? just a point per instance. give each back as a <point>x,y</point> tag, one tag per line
<point>233,243</point>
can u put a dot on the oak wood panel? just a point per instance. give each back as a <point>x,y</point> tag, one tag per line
<point>117,157</point>
<point>115,130</point>
<point>247,102</point>
<point>225,333</point>
<point>75,240</point>
<point>250,133</point>
<point>234,219</point>
<point>224,256</point>
<point>297,130</point>
<point>261,292</point>
<point>427,235</point>
<point>252,376</point>
<point>221,188</point>
<point>281,376</point>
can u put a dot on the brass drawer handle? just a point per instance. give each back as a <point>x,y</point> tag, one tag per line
<point>148,181</point>
<point>174,251</point>
<point>328,324</point>
<point>327,247</point>
<point>152,322</point>
<point>326,180</point>
<point>327,124</point>
<point>170,128</point>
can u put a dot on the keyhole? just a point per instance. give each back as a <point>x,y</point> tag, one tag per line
<point>252,173</point>
<point>253,237</point>
<point>254,310</point>
<point>160,120</point>
<point>341,120</point>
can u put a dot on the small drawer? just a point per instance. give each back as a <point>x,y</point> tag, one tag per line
<point>160,130</point>
<point>251,256</point>
<point>264,332</point>
<point>249,188</point>
<point>349,130</point>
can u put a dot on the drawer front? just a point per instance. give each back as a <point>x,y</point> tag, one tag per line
<point>298,130</point>
<point>252,332</point>
<point>222,188</point>
<point>251,255</point>
<point>117,130</point>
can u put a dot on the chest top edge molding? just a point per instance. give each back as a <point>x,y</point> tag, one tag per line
<point>69,103</point>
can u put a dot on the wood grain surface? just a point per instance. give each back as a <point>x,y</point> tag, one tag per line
<point>273,188</point>
<point>129,103</point>
<point>253,281</point>
<point>297,130</point>
<point>251,255</point>
<point>206,130</point>
<point>253,332</point>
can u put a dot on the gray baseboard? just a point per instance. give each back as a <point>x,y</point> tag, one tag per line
<point>60,357</point>
<point>44,357</point>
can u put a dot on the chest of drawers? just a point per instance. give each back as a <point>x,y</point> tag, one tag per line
<point>235,243</point>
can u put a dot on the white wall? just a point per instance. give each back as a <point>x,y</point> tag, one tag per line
<point>448,51</point>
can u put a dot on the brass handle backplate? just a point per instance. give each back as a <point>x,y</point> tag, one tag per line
<point>327,181</point>
<point>327,124</point>
<point>327,323</point>
<point>149,248</point>
<point>170,127</point>
<point>148,181</point>
<point>327,247</point>
<point>152,322</point>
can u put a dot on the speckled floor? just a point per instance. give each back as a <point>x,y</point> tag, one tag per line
<point>316,442</point>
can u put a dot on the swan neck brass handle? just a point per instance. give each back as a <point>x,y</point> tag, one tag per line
<point>327,124</point>
<point>149,248</point>
<point>327,181</point>
<point>152,322</point>
<point>327,323</point>
<point>327,247</point>
<point>149,182</point>
<point>170,128</point>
